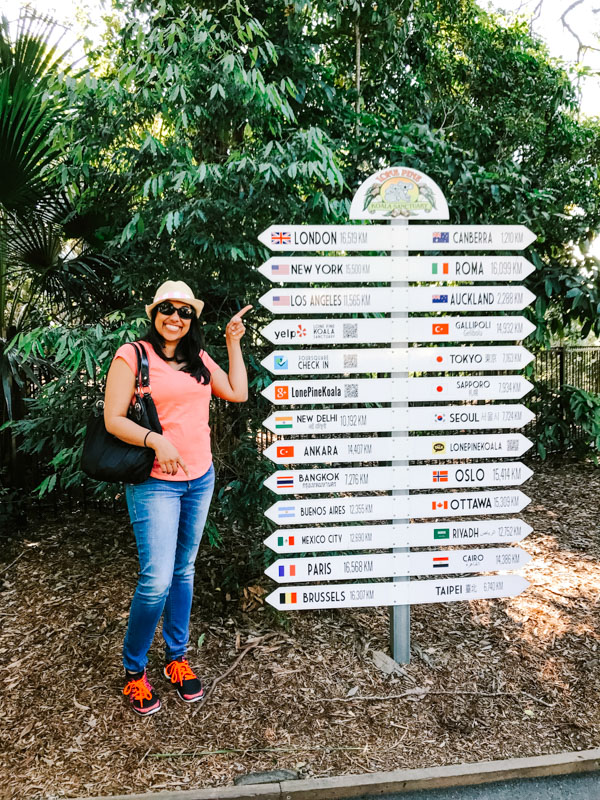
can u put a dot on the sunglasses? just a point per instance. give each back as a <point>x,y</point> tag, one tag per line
<point>185,312</point>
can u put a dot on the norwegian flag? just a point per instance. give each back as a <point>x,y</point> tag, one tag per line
<point>280,237</point>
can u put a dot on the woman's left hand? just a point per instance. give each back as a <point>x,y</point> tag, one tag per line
<point>235,327</point>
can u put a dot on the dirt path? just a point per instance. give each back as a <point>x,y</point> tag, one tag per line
<point>488,679</point>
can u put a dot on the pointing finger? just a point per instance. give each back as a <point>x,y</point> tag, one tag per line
<point>242,312</point>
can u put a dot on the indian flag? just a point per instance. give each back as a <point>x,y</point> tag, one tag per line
<point>284,422</point>
<point>287,598</point>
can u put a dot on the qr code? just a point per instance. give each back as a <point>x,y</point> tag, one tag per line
<point>351,390</point>
<point>350,360</point>
<point>512,445</point>
<point>350,330</point>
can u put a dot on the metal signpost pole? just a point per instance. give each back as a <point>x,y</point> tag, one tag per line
<point>400,615</point>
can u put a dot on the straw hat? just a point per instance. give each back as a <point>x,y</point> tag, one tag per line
<point>175,290</point>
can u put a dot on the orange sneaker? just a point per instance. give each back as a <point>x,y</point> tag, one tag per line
<point>188,685</point>
<point>144,701</point>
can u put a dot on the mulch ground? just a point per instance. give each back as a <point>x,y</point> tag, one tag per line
<point>487,679</point>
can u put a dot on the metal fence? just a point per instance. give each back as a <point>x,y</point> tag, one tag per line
<point>572,366</point>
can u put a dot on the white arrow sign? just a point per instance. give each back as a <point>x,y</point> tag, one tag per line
<point>355,595</point>
<point>389,237</point>
<point>376,269</point>
<point>376,479</point>
<point>426,418</point>
<point>382,537</point>
<point>387,565</point>
<point>408,329</point>
<point>401,359</point>
<point>416,506</point>
<point>352,299</point>
<point>389,390</point>
<point>413,448</point>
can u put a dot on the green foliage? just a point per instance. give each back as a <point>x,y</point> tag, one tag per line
<point>199,125</point>
<point>54,426</point>
<point>567,421</point>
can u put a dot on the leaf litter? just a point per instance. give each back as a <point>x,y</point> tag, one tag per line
<point>312,690</point>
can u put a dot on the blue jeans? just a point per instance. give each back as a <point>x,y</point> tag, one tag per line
<point>168,520</point>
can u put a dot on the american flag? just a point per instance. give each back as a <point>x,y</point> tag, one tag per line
<point>441,236</point>
<point>279,237</point>
<point>280,269</point>
<point>281,300</point>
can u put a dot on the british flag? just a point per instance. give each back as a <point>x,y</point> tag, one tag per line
<point>279,237</point>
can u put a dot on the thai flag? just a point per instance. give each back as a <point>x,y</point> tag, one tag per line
<point>279,237</point>
<point>280,269</point>
<point>286,481</point>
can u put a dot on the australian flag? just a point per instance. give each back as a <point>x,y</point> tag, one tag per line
<point>441,237</point>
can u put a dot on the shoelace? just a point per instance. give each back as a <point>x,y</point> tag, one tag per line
<point>179,671</point>
<point>139,690</point>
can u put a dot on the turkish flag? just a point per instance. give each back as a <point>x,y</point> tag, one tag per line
<point>285,452</point>
<point>439,328</point>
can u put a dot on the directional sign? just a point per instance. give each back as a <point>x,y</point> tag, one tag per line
<point>376,269</point>
<point>355,595</point>
<point>381,537</point>
<point>401,359</point>
<point>389,237</point>
<point>353,299</point>
<point>389,390</point>
<point>387,565</point>
<point>414,506</point>
<point>376,479</point>
<point>414,448</point>
<point>426,418</point>
<point>407,329</point>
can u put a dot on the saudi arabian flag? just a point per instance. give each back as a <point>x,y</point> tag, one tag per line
<point>441,533</point>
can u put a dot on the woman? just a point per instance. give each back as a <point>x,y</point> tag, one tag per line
<point>168,511</point>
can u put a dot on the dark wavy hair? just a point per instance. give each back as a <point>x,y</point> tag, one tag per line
<point>188,349</point>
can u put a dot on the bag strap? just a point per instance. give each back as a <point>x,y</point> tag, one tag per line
<point>143,368</point>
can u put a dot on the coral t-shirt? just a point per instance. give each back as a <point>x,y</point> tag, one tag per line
<point>182,404</point>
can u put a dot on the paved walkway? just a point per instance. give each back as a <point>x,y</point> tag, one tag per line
<point>561,787</point>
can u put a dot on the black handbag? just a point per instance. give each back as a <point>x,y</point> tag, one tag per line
<point>106,458</point>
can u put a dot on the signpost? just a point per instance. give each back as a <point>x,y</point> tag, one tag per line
<point>377,479</point>
<point>401,359</point>
<point>376,299</point>
<point>380,537</point>
<point>388,565</point>
<point>385,237</point>
<point>380,269</point>
<point>387,390</point>
<point>418,448</point>
<point>356,595</point>
<point>415,506</point>
<point>396,194</point>
<point>407,329</point>
<point>426,418</point>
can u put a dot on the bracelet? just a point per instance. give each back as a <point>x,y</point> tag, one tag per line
<point>145,437</point>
